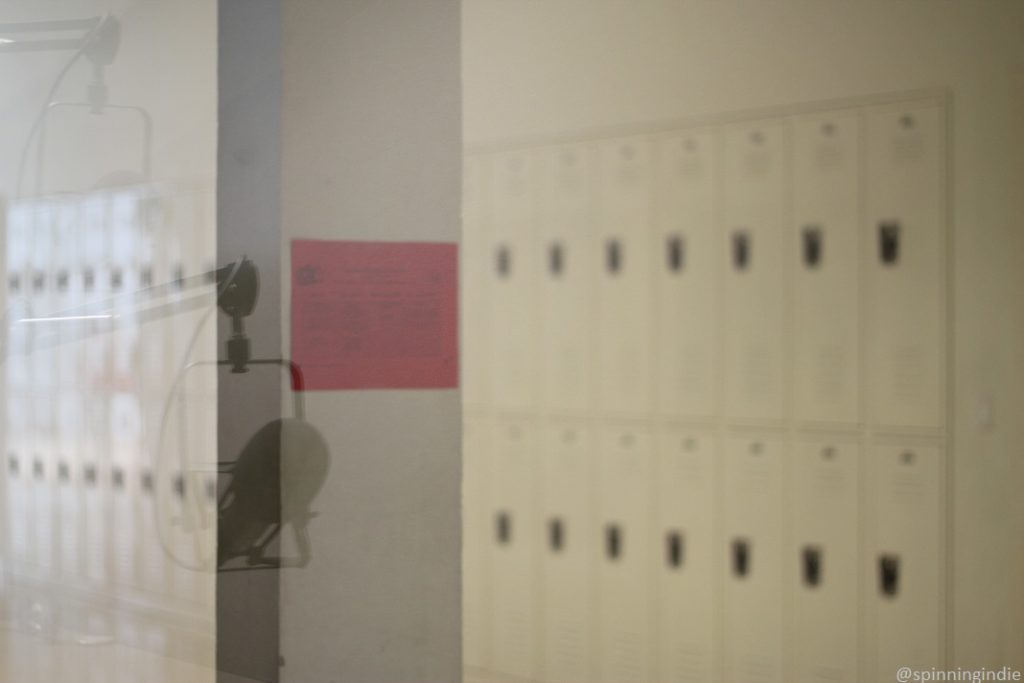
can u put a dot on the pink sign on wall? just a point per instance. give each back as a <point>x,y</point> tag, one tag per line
<point>375,315</point>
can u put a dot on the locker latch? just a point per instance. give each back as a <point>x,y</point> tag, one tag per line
<point>613,256</point>
<point>674,549</point>
<point>556,259</point>
<point>741,249</point>
<point>812,562</point>
<point>889,242</point>
<point>613,541</point>
<point>889,575</point>
<point>741,557</point>
<point>813,245</point>
<point>556,534</point>
<point>503,261</point>
<point>676,253</point>
<point>503,528</point>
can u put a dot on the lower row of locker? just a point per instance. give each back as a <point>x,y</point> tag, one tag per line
<point>626,554</point>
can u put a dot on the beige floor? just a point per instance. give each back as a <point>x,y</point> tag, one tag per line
<point>26,658</point>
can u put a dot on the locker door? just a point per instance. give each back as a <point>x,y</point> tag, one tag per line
<point>684,552</point>
<point>564,278</point>
<point>904,590</point>
<point>474,264</point>
<point>624,642</point>
<point>476,530</point>
<point>685,247</point>
<point>566,514</point>
<point>623,292</point>
<point>753,522</point>
<point>904,255</point>
<point>513,543</point>
<point>823,561</point>
<point>753,211</point>
<point>825,262</point>
<point>512,273</point>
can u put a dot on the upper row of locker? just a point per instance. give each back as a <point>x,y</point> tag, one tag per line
<point>790,268</point>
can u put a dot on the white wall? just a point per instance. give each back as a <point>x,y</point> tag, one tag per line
<point>537,68</point>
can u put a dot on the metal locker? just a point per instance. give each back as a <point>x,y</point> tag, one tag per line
<point>685,248</point>
<point>684,553</point>
<point>753,528</point>
<point>753,211</point>
<point>903,250</point>
<point>903,589</point>
<point>511,266</point>
<point>566,552</point>
<point>513,544</point>
<point>823,560</point>
<point>565,276</point>
<point>824,254</point>
<point>476,433</point>
<point>474,279</point>
<point>625,630</point>
<point>623,291</point>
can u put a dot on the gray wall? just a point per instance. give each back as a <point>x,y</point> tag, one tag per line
<point>372,151</point>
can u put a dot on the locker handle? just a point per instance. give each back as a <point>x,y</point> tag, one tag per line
<point>37,468</point>
<point>812,564</point>
<point>90,475</point>
<point>889,242</point>
<point>556,534</point>
<point>63,472</point>
<point>889,575</point>
<point>12,464</point>
<point>613,541</point>
<point>741,250</point>
<point>613,256</point>
<point>676,253</point>
<point>556,259</point>
<point>503,261</point>
<point>674,549</point>
<point>503,528</point>
<point>741,557</point>
<point>814,245</point>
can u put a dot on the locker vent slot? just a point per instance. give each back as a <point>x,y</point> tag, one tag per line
<point>503,528</point>
<point>889,242</point>
<point>556,259</point>
<point>179,486</point>
<point>674,549</point>
<point>676,253</point>
<point>812,565</point>
<point>556,534</point>
<point>741,248</point>
<point>613,256</point>
<point>814,244</point>
<point>503,262</point>
<point>741,559</point>
<point>889,575</point>
<point>613,541</point>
